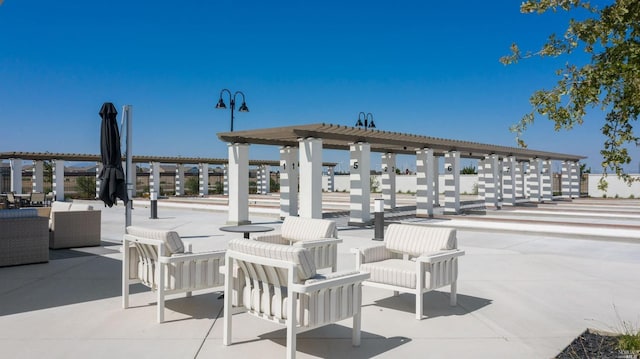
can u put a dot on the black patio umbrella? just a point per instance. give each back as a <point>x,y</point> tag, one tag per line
<point>112,179</point>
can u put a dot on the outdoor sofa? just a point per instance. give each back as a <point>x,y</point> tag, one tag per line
<point>24,237</point>
<point>73,225</point>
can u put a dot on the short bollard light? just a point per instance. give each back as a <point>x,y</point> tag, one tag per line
<point>153,196</point>
<point>378,208</point>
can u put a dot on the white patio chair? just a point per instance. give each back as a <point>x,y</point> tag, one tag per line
<point>279,283</point>
<point>157,259</point>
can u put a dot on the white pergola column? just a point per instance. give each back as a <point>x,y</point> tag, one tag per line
<point>37,176</point>
<point>575,180</point>
<point>238,183</point>
<point>310,177</point>
<point>547,186</point>
<point>519,180</point>
<point>535,180</point>
<point>565,179</point>
<point>180,180</point>
<point>481,180</point>
<point>265,179</point>
<point>436,181</point>
<point>509,180</point>
<point>288,181</point>
<point>225,179</point>
<point>16,174</point>
<point>424,182</point>
<point>360,191</point>
<point>99,167</point>
<point>491,170</point>
<point>452,182</point>
<point>154,177</point>
<point>203,179</point>
<point>389,180</point>
<point>331,186</point>
<point>57,169</point>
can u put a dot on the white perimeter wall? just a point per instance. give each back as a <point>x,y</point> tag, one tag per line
<point>616,187</point>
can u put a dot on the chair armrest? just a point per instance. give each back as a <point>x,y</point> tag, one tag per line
<point>373,254</point>
<point>440,256</point>
<point>183,257</point>
<point>271,238</point>
<point>317,242</point>
<point>328,281</point>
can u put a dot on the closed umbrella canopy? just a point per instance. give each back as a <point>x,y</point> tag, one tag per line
<point>112,179</point>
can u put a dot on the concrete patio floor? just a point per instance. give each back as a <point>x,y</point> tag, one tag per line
<point>523,292</point>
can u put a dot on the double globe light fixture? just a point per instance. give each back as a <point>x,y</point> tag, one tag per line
<point>232,101</point>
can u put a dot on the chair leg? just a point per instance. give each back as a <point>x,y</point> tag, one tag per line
<point>396,293</point>
<point>291,326</point>
<point>125,274</point>
<point>419,306</point>
<point>160,285</point>
<point>454,291</point>
<point>355,340</point>
<point>228,290</point>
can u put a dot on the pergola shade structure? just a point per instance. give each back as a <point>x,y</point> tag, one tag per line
<point>386,142</point>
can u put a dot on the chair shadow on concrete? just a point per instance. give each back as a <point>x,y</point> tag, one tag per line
<point>334,341</point>
<point>436,304</point>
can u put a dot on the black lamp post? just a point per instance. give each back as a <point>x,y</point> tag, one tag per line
<point>232,100</point>
<point>366,124</point>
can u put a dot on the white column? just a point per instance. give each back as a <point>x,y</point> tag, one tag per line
<point>424,182</point>
<point>436,181</point>
<point>238,183</point>
<point>331,187</point>
<point>99,167</point>
<point>509,180</point>
<point>535,180</point>
<point>154,178</point>
<point>37,176</point>
<point>389,180</point>
<point>565,179</point>
<point>16,174</point>
<point>491,179</point>
<point>225,179</point>
<point>359,177</point>
<point>180,179</point>
<point>266,179</point>
<point>547,186</point>
<point>575,180</point>
<point>288,181</point>
<point>57,167</point>
<point>203,179</point>
<point>481,179</point>
<point>310,177</point>
<point>519,180</point>
<point>452,182</point>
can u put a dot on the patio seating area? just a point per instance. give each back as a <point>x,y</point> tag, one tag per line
<point>520,293</point>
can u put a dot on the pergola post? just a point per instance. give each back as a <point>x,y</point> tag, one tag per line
<point>491,180</point>
<point>180,180</point>
<point>481,180</point>
<point>154,178</point>
<point>238,183</point>
<point>575,180</point>
<point>225,179</point>
<point>57,167</point>
<point>547,186</point>
<point>565,179</point>
<point>310,177</point>
<point>203,177</point>
<point>331,187</point>
<point>509,180</point>
<point>389,180</point>
<point>424,182</point>
<point>535,180</point>
<point>288,181</point>
<point>37,176</point>
<point>452,182</point>
<point>436,181</point>
<point>265,179</point>
<point>16,174</point>
<point>99,167</point>
<point>519,180</point>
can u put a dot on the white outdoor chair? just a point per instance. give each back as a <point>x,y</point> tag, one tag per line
<point>279,283</point>
<point>319,236</point>
<point>157,259</point>
<point>413,259</point>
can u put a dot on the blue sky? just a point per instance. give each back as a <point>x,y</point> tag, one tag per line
<point>418,67</point>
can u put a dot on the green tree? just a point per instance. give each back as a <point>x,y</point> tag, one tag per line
<point>86,187</point>
<point>611,80</point>
<point>192,186</point>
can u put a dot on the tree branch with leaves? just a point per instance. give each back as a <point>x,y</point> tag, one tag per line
<point>610,81</point>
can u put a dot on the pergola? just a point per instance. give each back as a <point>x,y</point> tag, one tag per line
<point>501,170</point>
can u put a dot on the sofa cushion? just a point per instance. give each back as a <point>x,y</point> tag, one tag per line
<point>300,229</point>
<point>417,240</point>
<point>302,257</point>
<point>171,239</point>
<point>58,206</point>
<point>396,272</point>
<point>80,207</point>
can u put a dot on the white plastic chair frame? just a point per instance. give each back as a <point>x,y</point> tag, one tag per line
<point>151,256</point>
<point>261,272</point>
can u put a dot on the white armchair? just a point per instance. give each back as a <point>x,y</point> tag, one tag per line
<point>158,259</point>
<point>319,236</point>
<point>413,259</point>
<point>280,284</point>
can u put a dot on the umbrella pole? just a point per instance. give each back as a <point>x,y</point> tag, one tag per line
<point>126,112</point>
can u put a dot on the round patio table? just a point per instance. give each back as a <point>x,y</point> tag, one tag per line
<point>246,229</point>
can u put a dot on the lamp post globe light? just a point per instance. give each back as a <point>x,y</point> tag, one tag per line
<point>232,102</point>
<point>366,124</point>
